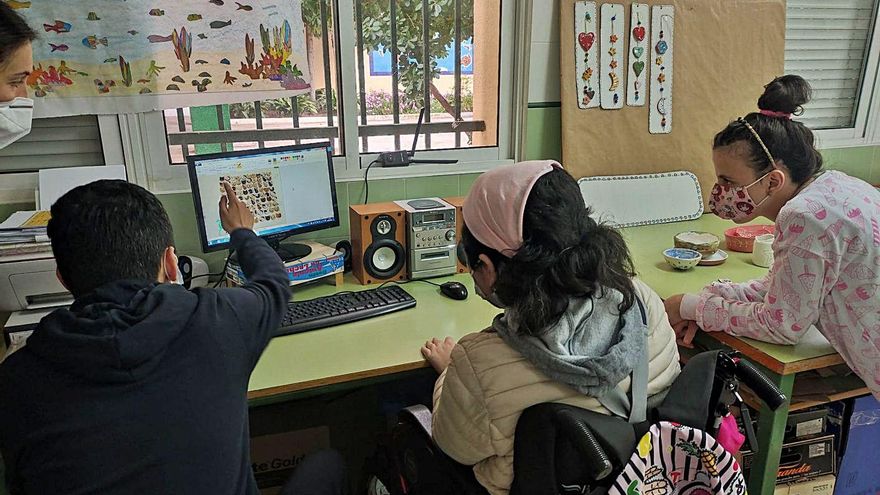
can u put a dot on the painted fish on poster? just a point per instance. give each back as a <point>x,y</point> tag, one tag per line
<point>59,27</point>
<point>104,86</point>
<point>246,8</point>
<point>194,17</point>
<point>18,5</point>
<point>93,16</point>
<point>156,38</point>
<point>201,62</point>
<point>157,12</point>
<point>203,36</point>
<point>111,60</point>
<point>58,48</point>
<point>201,87</point>
<point>93,42</point>
<point>144,81</point>
<point>132,32</point>
<point>216,2</point>
<point>220,24</point>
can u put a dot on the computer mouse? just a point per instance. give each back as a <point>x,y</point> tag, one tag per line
<point>454,290</point>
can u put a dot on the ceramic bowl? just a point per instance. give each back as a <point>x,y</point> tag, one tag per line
<point>682,259</point>
<point>742,239</point>
<point>705,243</point>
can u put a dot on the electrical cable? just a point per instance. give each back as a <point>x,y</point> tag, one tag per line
<point>367,182</point>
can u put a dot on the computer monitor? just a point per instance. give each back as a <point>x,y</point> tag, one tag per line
<point>290,190</point>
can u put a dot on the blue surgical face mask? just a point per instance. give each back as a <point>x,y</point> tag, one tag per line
<point>15,120</point>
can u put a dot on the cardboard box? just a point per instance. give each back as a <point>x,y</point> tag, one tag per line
<point>858,469</point>
<point>820,486</point>
<point>323,261</point>
<point>274,457</point>
<point>801,460</point>
<point>806,424</point>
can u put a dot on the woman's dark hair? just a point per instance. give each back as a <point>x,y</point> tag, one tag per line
<point>14,32</point>
<point>565,253</point>
<point>789,141</point>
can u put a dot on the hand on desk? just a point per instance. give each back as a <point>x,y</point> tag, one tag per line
<point>234,214</point>
<point>685,330</point>
<point>438,353</point>
<point>685,333</point>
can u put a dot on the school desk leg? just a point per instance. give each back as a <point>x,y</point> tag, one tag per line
<point>771,429</point>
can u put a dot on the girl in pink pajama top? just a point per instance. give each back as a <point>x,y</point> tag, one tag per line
<point>826,269</point>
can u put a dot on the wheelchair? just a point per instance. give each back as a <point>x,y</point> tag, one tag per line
<point>562,449</point>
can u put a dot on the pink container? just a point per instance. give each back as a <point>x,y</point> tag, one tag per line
<point>742,238</point>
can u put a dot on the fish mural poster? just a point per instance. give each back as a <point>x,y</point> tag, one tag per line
<point>129,56</point>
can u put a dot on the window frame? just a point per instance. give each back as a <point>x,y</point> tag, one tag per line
<point>145,145</point>
<point>866,128</point>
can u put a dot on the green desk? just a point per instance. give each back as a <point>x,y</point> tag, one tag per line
<point>367,349</point>
<point>370,349</point>
<point>780,363</point>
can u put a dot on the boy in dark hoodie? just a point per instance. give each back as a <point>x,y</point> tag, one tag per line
<point>140,387</point>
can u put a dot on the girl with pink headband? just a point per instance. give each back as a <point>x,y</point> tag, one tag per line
<point>576,326</point>
<point>826,269</point>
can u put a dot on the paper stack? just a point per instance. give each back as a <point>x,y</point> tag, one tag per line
<point>24,232</point>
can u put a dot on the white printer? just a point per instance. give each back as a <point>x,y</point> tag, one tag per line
<point>29,290</point>
<point>28,282</point>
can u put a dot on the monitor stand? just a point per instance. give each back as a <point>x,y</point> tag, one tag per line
<point>291,251</point>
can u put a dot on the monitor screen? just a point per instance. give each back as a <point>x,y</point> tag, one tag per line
<point>290,190</point>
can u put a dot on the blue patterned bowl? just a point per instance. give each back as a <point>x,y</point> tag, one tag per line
<point>682,259</point>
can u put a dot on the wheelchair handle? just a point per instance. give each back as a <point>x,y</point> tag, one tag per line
<point>753,378</point>
<point>597,461</point>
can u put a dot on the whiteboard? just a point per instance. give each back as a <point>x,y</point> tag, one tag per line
<point>631,200</point>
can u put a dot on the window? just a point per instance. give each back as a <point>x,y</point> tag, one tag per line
<point>84,140</point>
<point>834,46</point>
<point>274,122</point>
<point>358,99</point>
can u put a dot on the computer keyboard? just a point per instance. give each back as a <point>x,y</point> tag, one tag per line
<point>343,307</point>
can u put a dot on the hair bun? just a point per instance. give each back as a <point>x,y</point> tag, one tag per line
<point>786,94</point>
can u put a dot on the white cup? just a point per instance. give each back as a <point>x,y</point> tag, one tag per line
<point>762,254</point>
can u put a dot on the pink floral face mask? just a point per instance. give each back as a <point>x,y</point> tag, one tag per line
<point>734,203</point>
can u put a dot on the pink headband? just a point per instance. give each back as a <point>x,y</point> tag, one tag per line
<point>493,211</point>
<point>778,115</point>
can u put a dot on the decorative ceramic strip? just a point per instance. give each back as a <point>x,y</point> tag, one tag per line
<point>636,89</point>
<point>585,54</point>
<point>663,21</point>
<point>612,49</point>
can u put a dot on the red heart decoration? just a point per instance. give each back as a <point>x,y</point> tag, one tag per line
<point>639,33</point>
<point>586,40</point>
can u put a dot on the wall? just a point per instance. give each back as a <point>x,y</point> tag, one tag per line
<point>543,141</point>
<point>544,124</point>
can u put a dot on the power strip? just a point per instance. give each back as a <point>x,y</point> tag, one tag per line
<point>394,159</point>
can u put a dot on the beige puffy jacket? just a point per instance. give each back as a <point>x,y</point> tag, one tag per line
<point>480,396</point>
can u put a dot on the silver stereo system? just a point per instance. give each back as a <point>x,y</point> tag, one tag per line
<point>431,240</point>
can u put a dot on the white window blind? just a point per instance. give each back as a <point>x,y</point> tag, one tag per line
<point>827,43</point>
<point>53,143</point>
